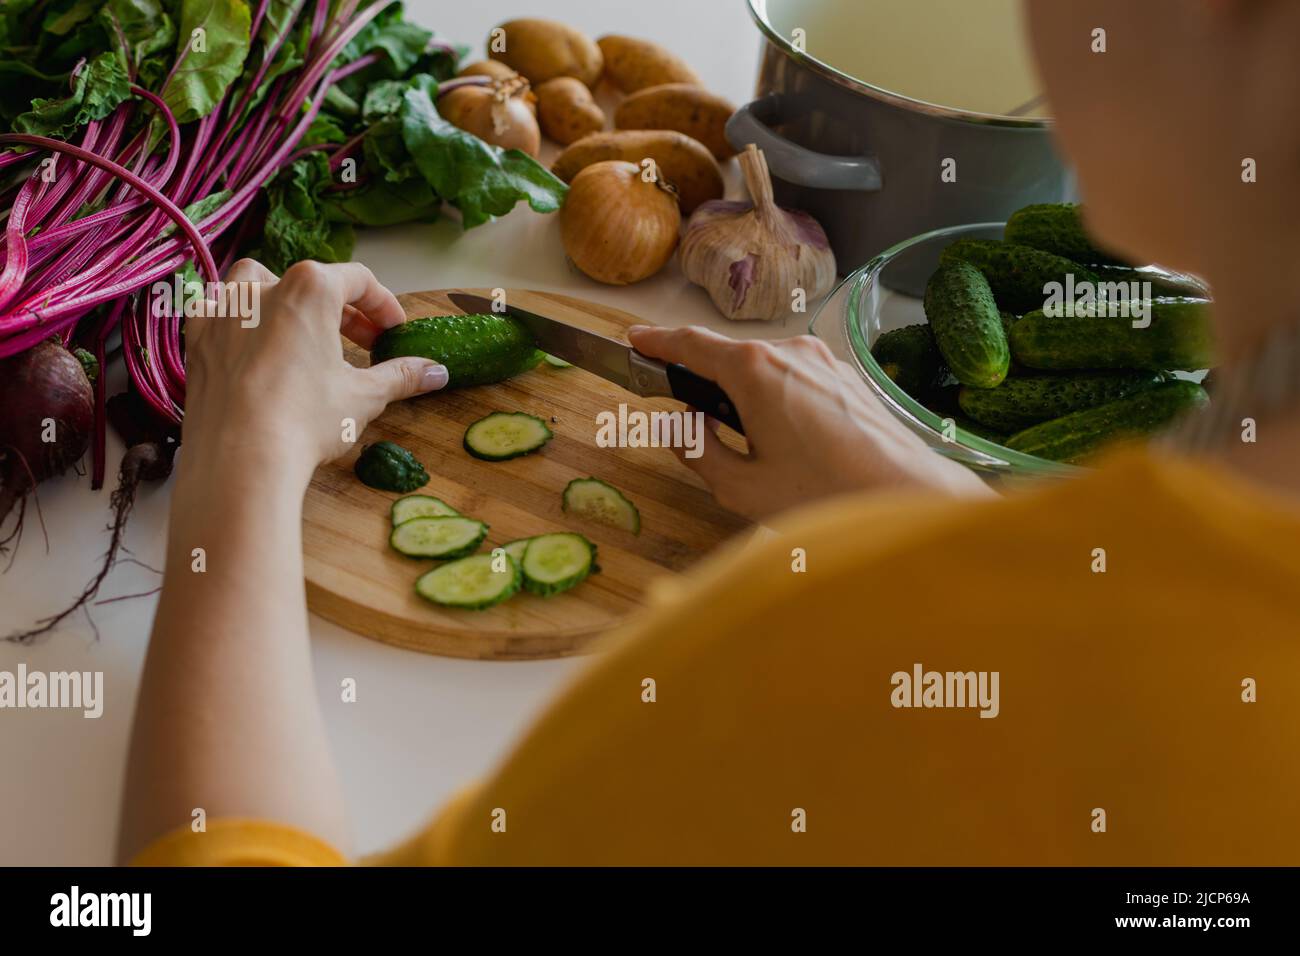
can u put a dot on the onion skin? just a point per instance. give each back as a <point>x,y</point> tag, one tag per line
<point>616,227</point>
<point>45,382</point>
<point>502,114</point>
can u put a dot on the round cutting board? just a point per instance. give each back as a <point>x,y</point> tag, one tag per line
<point>357,581</point>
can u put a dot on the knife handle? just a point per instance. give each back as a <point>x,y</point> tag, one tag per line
<point>704,395</point>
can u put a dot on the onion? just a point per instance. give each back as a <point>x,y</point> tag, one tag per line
<point>500,113</point>
<point>619,223</point>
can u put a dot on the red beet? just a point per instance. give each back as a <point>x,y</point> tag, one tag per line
<point>44,393</point>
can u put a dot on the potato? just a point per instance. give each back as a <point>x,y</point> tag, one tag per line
<point>688,109</point>
<point>567,111</point>
<point>684,162</point>
<point>493,68</point>
<point>543,49</point>
<point>632,64</point>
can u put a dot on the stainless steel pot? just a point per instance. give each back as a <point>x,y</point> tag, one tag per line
<point>867,161</point>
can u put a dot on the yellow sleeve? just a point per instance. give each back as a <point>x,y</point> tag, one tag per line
<point>239,843</point>
<point>751,717</point>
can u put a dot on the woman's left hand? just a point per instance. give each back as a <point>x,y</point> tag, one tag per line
<point>275,381</point>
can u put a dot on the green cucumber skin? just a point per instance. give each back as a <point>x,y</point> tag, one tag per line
<point>1015,273</point>
<point>910,357</point>
<point>476,349</point>
<point>967,325</point>
<point>1057,228</point>
<point>501,597</point>
<point>519,453</point>
<point>1075,437</point>
<point>463,551</point>
<point>390,467</point>
<point>1179,337</point>
<point>1161,286</point>
<point>552,588</point>
<point>1019,403</point>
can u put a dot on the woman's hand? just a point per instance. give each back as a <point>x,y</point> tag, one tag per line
<point>813,428</point>
<point>277,382</point>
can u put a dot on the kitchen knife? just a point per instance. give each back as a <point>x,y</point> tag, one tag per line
<point>612,360</point>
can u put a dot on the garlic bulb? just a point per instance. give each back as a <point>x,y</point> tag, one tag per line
<point>753,257</point>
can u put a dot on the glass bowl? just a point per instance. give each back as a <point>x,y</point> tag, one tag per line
<point>866,304</point>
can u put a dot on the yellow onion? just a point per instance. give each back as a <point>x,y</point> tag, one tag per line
<point>619,222</point>
<point>500,112</point>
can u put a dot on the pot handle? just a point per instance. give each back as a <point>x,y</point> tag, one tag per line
<point>787,160</point>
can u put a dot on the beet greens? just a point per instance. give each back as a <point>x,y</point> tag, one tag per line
<point>146,140</point>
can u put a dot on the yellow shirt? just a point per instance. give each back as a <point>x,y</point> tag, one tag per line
<point>1147,713</point>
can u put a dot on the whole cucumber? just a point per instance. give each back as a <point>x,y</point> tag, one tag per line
<point>967,326</point>
<point>476,349</point>
<point>1023,401</point>
<point>1017,274</point>
<point>1178,337</point>
<point>1079,435</point>
<point>910,357</point>
<point>1057,228</point>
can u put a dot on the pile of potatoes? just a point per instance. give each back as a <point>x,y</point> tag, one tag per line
<point>663,113</point>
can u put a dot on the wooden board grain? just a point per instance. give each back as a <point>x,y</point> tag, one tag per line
<point>355,580</point>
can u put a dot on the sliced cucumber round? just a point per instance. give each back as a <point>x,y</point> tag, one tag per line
<point>448,536</point>
<point>504,435</point>
<point>516,548</point>
<point>471,582</point>
<point>420,506</point>
<point>556,562</point>
<point>601,502</point>
<point>556,362</point>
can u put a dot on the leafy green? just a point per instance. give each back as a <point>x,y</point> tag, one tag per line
<point>149,32</point>
<point>381,203</point>
<point>295,227</point>
<point>214,59</point>
<point>481,180</point>
<point>97,90</point>
<point>197,211</point>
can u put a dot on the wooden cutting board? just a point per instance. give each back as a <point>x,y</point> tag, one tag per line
<point>357,581</point>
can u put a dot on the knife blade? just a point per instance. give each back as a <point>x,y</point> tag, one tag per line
<point>612,360</point>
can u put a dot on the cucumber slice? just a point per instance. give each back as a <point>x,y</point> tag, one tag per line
<point>420,506</point>
<point>517,548</point>
<point>448,536</point>
<point>601,502</point>
<point>556,562</point>
<point>556,362</point>
<point>469,583</point>
<point>504,435</point>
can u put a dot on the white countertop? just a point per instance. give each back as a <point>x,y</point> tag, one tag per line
<point>422,726</point>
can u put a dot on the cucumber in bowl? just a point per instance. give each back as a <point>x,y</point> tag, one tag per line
<point>1055,370</point>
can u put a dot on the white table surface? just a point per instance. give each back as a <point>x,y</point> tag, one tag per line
<point>422,726</point>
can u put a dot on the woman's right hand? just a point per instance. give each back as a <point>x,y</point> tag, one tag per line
<point>814,430</point>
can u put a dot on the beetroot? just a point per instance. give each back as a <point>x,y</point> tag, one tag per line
<point>44,394</point>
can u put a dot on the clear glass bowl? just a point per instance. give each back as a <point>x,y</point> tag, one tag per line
<point>866,304</point>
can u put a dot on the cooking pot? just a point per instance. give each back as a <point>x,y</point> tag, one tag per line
<point>880,158</point>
